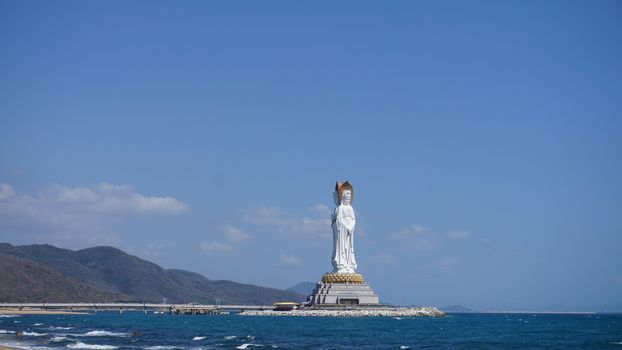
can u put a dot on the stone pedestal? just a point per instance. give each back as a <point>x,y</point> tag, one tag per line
<point>348,293</point>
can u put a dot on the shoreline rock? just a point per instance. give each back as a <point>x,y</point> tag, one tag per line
<point>362,312</point>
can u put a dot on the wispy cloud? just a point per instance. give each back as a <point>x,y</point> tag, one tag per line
<point>290,224</point>
<point>321,209</point>
<point>416,236</point>
<point>106,197</point>
<point>76,216</point>
<point>289,259</point>
<point>458,234</point>
<point>383,258</point>
<point>234,234</point>
<point>215,247</point>
<point>6,191</point>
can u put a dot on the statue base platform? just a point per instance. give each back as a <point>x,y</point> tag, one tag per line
<point>349,293</point>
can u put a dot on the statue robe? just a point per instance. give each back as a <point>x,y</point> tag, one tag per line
<point>343,239</point>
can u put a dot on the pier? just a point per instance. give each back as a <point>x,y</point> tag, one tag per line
<point>179,309</point>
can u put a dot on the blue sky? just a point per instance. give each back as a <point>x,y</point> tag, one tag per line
<point>482,139</point>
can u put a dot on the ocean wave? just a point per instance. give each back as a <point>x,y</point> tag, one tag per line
<point>99,333</point>
<point>404,347</point>
<point>3,331</point>
<point>229,337</point>
<point>54,328</point>
<point>163,347</point>
<point>198,338</point>
<point>8,316</point>
<point>38,324</point>
<point>58,338</point>
<point>34,334</point>
<point>80,345</point>
<point>246,345</point>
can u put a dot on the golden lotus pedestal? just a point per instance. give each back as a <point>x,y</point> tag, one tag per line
<point>343,278</point>
<point>343,289</point>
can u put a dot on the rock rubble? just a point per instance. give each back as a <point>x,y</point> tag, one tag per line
<point>359,312</point>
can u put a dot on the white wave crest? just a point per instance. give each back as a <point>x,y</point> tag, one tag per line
<point>229,337</point>
<point>99,333</point>
<point>80,345</point>
<point>162,347</point>
<point>3,331</point>
<point>38,324</point>
<point>404,347</point>
<point>198,338</point>
<point>34,334</point>
<point>246,345</point>
<point>54,328</point>
<point>58,338</point>
<point>8,316</point>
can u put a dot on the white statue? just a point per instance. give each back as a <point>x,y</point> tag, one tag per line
<point>343,222</point>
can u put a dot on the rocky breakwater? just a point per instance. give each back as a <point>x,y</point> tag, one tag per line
<point>356,312</point>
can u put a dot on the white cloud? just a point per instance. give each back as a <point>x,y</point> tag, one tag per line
<point>290,224</point>
<point>290,259</point>
<point>215,247</point>
<point>416,236</point>
<point>121,198</point>
<point>74,216</point>
<point>156,249</point>
<point>234,234</point>
<point>383,258</point>
<point>6,191</point>
<point>410,232</point>
<point>74,195</point>
<point>321,209</point>
<point>458,234</point>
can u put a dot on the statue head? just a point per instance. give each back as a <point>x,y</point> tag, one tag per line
<point>346,197</point>
<point>340,189</point>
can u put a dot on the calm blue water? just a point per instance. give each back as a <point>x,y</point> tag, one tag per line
<point>133,330</point>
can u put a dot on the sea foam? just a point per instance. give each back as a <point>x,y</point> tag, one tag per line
<point>162,347</point>
<point>34,334</point>
<point>198,338</point>
<point>99,333</point>
<point>80,345</point>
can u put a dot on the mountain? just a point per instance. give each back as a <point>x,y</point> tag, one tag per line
<point>304,288</point>
<point>27,281</point>
<point>118,276</point>
<point>456,309</point>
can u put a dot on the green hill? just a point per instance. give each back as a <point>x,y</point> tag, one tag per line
<point>27,281</point>
<point>118,276</point>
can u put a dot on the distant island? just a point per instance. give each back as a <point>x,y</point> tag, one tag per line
<point>45,273</point>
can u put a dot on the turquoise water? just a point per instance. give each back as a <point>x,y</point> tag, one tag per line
<point>133,330</point>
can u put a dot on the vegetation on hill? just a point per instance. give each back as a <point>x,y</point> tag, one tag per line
<point>118,276</point>
<point>27,281</point>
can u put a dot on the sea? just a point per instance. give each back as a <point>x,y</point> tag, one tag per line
<point>139,331</point>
